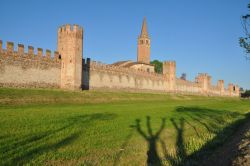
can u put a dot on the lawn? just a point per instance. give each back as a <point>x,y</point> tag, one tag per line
<point>54,127</point>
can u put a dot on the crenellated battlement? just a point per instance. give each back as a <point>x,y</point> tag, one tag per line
<point>30,54</point>
<point>70,30</point>
<point>94,65</point>
<point>170,63</point>
<point>20,68</point>
<point>202,75</point>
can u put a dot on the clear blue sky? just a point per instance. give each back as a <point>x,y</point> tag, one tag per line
<point>200,35</point>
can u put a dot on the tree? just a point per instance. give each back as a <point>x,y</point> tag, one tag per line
<point>158,66</point>
<point>245,41</point>
<point>246,94</point>
<point>183,76</point>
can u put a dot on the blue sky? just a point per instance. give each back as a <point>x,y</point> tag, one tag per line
<point>200,35</point>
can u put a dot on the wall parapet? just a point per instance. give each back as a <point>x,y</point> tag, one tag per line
<point>96,65</point>
<point>186,82</point>
<point>201,85</point>
<point>9,51</point>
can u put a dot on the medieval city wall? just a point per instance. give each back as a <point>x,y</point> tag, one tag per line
<point>97,75</point>
<point>27,69</point>
<point>185,86</point>
<point>21,69</point>
<point>102,76</point>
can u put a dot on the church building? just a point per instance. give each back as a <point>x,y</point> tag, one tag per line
<point>143,53</point>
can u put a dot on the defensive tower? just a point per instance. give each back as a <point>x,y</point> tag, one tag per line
<point>220,85</point>
<point>143,45</point>
<point>169,70</point>
<point>70,47</point>
<point>230,89</point>
<point>204,80</point>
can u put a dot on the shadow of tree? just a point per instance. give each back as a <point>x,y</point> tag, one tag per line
<point>153,158</point>
<point>221,123</point>
<point>22,150</point>
<point>215,121</point>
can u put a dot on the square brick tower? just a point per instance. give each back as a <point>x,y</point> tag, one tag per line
<point>220,85</point>
<point>169,70</point>
<point>70,47</point>
<point>143,45</point>
<point>230,89</point>
<point>204,81</point>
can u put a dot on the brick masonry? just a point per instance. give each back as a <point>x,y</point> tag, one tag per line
<point>66,69</point>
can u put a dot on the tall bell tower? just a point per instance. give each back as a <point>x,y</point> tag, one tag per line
<point>70,47</point>
<point>143,45</point>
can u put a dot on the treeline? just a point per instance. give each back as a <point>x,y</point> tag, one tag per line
<point>246,94</point>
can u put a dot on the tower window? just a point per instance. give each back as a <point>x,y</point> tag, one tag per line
<point>146,41</point>
<point>141,41</point>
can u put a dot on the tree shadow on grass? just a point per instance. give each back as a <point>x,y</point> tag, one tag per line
<point>216,122</point>
<point>221,123</point>
<point>153,158</point>
<point>23,150</point>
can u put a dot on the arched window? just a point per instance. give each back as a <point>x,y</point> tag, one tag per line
<point>141,41</point>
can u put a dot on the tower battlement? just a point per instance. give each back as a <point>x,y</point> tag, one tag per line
<point>70,29</point>
<point>203,75</point>
<point>169,63</point>
<point>220,84</point>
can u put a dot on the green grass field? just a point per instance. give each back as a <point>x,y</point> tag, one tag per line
<point>53,127</point>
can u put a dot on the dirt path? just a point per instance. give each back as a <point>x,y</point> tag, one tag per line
<point>243,156</point>
<point>236,151</point>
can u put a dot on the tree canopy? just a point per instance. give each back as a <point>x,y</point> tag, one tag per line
<point>246,94</point>
<point>158,66</point>
<point>245,41</point>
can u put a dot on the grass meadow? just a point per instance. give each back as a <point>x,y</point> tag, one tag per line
<point>54,127</point>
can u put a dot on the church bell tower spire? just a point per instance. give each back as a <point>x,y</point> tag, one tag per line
<point>143,45</point>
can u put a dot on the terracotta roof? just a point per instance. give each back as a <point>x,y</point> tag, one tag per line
<point>136,63</point>
<point>119,63</point>
<point>128,63</point>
